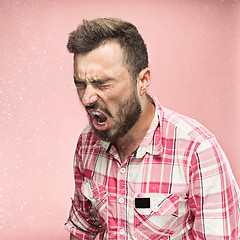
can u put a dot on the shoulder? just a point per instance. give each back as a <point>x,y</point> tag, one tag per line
<point>182,127</point>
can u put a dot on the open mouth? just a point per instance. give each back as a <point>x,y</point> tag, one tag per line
<point>99,120</point>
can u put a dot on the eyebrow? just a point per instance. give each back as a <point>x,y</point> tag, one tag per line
<point>78,80</point>
<point>94,81</point>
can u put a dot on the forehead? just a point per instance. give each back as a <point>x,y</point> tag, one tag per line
<point>101,62</point>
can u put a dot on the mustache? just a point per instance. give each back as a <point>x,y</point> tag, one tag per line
<point>95,106</point>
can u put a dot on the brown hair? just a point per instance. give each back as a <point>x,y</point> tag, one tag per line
<point>91,34</point>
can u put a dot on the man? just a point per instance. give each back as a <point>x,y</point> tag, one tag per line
<point>141,171</point>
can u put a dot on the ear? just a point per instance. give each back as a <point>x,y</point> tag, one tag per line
<point>143,81</point>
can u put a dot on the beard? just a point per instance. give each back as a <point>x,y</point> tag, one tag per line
<point>127,115</point>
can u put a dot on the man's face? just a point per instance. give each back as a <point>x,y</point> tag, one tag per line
<point>107,91</point>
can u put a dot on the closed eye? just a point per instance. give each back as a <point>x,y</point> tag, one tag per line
<point>79,84</point>
<point>101,83</point>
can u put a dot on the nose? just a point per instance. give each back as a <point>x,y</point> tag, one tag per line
<point>89,95</point>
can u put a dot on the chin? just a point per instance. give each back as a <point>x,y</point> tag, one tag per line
<point>107,136</point>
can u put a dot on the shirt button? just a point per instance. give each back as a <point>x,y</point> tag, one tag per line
<point>122,232</point>
<point>121,200</point>
<point>122,170</point>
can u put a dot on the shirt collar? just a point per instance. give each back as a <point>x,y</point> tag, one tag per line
<point>152,140</point>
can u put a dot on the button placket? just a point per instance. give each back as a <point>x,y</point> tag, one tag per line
<point>121,206</point>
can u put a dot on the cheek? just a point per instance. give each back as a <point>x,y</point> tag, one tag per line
<point>117,97</point>
<point>117,103</point>
<point>79,94</point>
<point>123,93</point>
<point>80,91</point>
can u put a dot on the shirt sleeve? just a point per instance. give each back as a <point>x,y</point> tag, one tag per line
<point>214,194</point>
<point>82,222</point>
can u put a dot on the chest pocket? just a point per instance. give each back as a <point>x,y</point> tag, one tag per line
<point>97,194</point>
<point>159,218</point>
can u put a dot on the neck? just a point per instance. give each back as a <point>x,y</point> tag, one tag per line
<point>129,143</point>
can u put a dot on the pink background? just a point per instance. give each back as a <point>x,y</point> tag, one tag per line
<point>194,55</point>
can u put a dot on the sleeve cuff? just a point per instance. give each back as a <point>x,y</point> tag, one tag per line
<point>77,232</point>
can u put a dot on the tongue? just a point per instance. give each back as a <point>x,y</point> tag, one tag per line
<point>100,122</point>
<point>101,118</point>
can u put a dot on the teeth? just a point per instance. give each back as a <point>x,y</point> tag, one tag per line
<point>96,113</point>
<point>99,120</point>
<point>101,123</point>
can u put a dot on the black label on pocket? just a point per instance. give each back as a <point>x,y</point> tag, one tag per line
<point>142,202</point>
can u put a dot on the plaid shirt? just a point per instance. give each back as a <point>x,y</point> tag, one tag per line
<point>176,185</point>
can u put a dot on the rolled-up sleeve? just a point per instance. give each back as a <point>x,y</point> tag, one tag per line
<point>214,194</point>
<point>82,222</point>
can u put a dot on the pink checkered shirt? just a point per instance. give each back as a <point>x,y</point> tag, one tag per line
<point>176,185</point>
